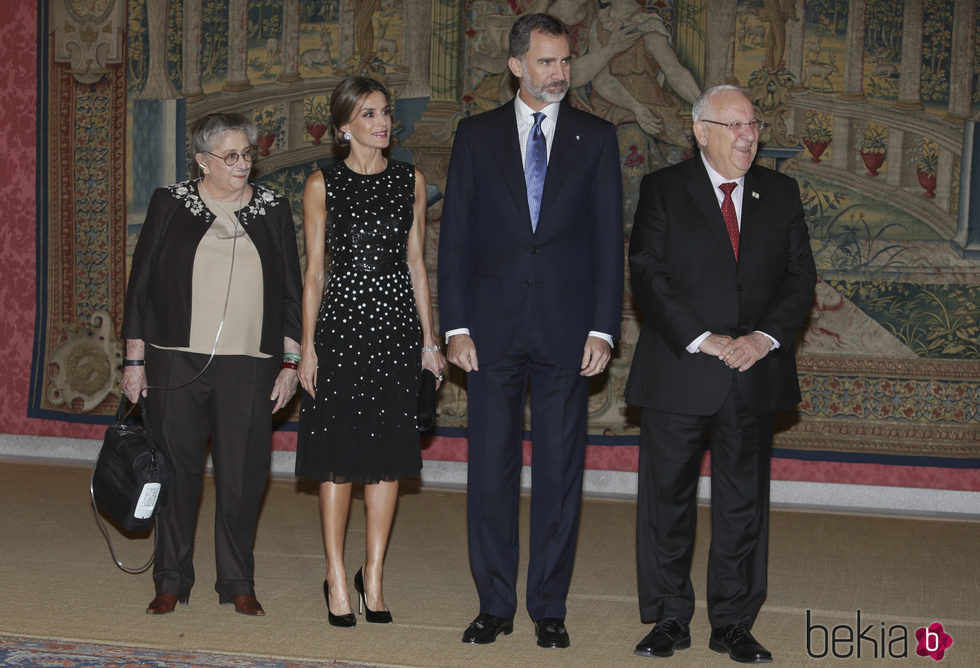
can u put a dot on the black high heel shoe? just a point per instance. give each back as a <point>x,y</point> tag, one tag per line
<point>372,616</point>
<point>337,620</point>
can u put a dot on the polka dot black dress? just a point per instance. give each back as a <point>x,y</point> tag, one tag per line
<point>361,426</point>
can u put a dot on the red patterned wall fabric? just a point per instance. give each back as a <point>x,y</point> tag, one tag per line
<point>18,181</point>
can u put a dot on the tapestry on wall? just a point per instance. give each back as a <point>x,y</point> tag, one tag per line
<point>871,109</point>
<point>82,220</point>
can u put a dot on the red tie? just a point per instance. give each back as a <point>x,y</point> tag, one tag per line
<point>731,218</point>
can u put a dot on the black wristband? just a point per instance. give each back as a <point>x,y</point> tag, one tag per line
<point>134,362</point>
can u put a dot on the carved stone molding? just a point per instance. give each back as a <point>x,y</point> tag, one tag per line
<point>89,35</point>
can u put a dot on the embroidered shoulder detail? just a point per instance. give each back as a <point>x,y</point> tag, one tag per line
<point>263,197</point>
<point>187,193</point>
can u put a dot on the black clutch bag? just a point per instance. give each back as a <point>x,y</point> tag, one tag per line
<point>130,478</point>
<point>426,415</point>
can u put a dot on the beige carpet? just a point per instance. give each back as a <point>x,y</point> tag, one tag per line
<point>58,581</point>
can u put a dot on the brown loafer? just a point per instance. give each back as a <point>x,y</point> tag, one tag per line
<point>246,604</point>
<point>164,603</point>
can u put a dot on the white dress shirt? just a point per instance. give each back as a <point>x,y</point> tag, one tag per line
<point>525,121</point>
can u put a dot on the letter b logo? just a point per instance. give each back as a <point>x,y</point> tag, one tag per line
<point>933,641</point>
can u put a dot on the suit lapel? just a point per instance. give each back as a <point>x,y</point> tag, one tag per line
<point>700,190</point>
<point>507,150</point>
<point>563,154</point>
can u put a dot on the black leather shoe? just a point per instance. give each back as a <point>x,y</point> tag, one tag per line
<point>736,640</point>
<point>485,629</point>
<point>669,634</point>
<point>551,632</point>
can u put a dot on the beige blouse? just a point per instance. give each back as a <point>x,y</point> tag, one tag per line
<point>241,332</point>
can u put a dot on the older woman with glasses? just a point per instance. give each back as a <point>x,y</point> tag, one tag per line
<point>212,324</point>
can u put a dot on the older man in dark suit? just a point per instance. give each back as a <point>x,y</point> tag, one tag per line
<point>530,292</point>
<point>722,271</point>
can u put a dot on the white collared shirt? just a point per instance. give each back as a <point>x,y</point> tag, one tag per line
<point>717,179</point>
<point>525,121</point>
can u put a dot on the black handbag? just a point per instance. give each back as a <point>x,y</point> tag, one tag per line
<point>131,477</point>
<point>426,415</point>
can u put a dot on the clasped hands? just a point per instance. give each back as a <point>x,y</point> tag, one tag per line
<point>740,353</point>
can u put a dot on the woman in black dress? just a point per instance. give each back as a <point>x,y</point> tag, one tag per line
<point>367,333</point>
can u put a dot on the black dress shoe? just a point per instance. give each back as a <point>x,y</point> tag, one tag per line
<point>485,629</point>
<point>739,643</point>
<point>551,632</point>
<point>669,634</point>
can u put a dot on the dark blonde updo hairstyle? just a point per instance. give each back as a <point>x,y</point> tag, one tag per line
<point>345,99</point>
<point>205,131</point>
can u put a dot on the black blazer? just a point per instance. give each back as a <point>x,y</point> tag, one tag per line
<point>158,296</point>
<point>490,263</point>
<point>686,281</point>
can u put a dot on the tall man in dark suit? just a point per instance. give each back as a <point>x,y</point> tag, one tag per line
<point>722,271</point>
<point>530,292</point>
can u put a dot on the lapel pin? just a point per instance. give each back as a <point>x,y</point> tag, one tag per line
<point>755,194</point>
<point>578,138</point>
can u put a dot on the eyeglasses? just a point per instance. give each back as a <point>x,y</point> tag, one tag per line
<point>735,126</point>
<point>230,159</point>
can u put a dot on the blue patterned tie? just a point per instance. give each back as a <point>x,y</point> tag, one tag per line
<point>535,169</point>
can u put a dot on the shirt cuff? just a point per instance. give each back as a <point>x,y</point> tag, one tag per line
<point>693,346</point>
<point>454,332</point>
<point>774,342</point>
<point>605,337</point>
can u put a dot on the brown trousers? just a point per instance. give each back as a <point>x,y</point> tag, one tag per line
<point>229,406</point>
